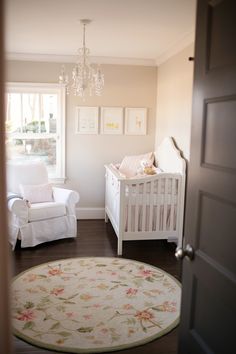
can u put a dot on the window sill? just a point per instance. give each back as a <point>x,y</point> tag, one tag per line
<point>58,180</point>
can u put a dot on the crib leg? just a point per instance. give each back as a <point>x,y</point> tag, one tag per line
<point>106,218</point>
<point>119,246</point>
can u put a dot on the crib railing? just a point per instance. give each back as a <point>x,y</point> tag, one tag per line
<point>152,203</point>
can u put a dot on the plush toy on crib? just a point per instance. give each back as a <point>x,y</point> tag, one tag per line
<point>147,167</point>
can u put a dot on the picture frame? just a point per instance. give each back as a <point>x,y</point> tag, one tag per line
<point>86,121</point>
<point>112,120</point>
<point>135,121</point>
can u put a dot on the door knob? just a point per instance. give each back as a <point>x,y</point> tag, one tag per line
<point>188,252</point>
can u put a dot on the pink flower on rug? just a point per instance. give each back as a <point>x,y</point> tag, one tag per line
<point>57,291</point>
<point>145,273</point>
<point>127,307</point>
<point>26,315</point>
<point>131,292</point>
<point>104,330</point>
<point>55,271</point>
<point>113,273</point>
<point>30,277</point>
<point>144,315</point>
<point>70,314</point>
<point>87,317</point>
<point>86,297</point>
<point>167,306</point>
<point>97,305</point>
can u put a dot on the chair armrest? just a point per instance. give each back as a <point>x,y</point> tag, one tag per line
<point>67,196</point>
<point>19,208</point>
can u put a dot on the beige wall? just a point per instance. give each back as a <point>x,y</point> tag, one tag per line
<point>174,99</point>
<point>126,86</point>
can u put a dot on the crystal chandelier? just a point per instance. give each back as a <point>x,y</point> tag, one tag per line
<point>86,78</point>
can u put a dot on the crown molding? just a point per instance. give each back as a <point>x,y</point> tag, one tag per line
<point>177,47</point>
<point>72,59</point>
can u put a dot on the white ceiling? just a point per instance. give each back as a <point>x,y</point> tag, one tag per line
<point>141,30</point>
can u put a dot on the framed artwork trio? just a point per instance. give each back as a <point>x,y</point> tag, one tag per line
<point>111,120</point>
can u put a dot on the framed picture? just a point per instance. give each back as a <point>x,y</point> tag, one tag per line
<point>136,121</point>
<point>86,121</point>
<point>111,120</point>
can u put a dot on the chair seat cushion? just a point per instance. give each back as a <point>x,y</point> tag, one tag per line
<point>43,211</point>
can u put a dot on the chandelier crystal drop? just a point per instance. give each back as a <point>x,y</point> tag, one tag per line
<point>86,77</point>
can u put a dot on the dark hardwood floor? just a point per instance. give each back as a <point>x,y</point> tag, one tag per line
<point>95,238</point>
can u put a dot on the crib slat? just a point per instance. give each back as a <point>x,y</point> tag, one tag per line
<point>159,182</point>
<point>172,205</point>
<point>151,206</point>
<point>165,204</point>
<point>179,208</point>
<point>136,206</point>
<point>129,209</point>
<point>144,206</point>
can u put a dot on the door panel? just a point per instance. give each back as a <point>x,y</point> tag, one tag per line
<point>219,132</point>
<point>205,326</point>
<point>221,35</point>
<point>212,227</point>
<point>209,281</point>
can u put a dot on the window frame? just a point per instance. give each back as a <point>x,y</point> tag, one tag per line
<point>46,88</point>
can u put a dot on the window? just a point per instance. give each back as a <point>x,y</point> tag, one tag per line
<point>35,125</point>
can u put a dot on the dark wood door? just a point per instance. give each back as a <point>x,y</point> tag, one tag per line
<point>208,317</point>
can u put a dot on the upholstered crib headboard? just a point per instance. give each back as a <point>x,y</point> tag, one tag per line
<point>168,157</point>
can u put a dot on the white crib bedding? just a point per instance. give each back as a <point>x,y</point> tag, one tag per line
<point>140,174</point>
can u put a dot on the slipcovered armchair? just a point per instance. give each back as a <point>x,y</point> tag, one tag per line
<point>38,212</point>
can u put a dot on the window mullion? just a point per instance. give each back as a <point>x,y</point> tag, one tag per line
<point>21,112</point>
<point>40,111</point>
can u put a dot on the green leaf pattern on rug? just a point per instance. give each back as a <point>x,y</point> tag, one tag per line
<point>85,329</point>
<point>94,303</point>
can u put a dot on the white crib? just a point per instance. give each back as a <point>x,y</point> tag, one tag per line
<point>150,207</point>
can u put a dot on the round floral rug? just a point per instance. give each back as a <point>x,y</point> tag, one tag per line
<point>89,305</point>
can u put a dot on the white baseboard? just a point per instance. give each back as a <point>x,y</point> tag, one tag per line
<point>90,213</point>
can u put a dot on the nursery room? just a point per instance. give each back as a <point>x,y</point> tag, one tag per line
<point>118,176</point>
